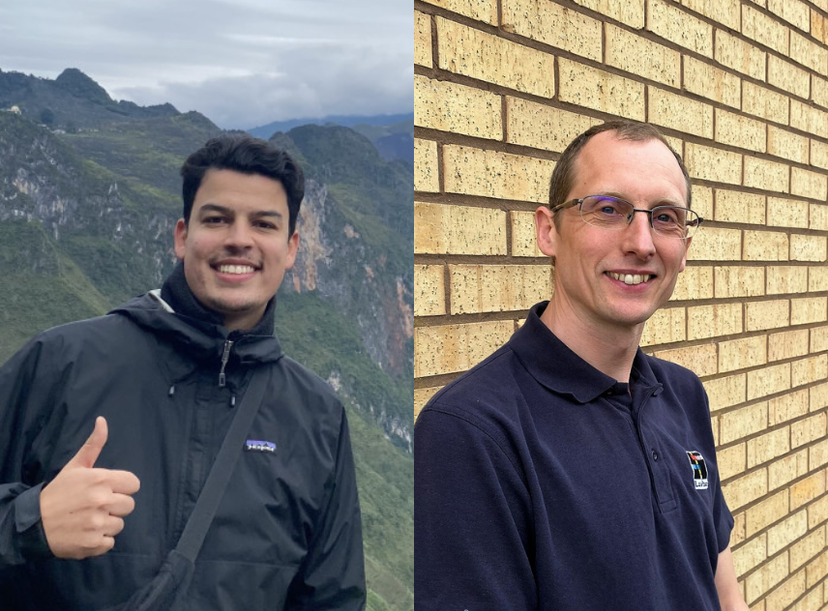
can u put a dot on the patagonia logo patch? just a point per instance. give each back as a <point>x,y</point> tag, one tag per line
<point>254,445</point>
<point>699,470</point>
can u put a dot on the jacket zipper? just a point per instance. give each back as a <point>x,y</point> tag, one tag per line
<point>225,356</point>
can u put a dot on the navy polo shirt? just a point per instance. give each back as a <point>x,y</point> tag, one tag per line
<point>542,483</point>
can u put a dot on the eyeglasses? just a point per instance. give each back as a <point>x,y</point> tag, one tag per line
<point>614,214</point>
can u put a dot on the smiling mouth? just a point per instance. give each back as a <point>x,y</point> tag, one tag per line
<point>631,278</point>
<point>236,269</point>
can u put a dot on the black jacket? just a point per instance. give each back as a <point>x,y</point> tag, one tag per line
<point>287,534</point>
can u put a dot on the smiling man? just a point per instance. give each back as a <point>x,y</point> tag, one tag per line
<point>569,471</point>
<point>86,521</point>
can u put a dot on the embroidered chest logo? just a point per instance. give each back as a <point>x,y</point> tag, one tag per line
<point>254,445</point>
<point>699,470</point>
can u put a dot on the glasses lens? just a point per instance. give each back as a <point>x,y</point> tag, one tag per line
<point>674,222</point>
<point>605,211</point>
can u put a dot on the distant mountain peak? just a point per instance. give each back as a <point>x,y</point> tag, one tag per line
<point>80,85</point>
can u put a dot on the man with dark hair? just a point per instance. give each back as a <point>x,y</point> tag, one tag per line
<point>569,471</point>
<point>86,521</point>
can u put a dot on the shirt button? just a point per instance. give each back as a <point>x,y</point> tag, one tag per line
<point>655,455</point>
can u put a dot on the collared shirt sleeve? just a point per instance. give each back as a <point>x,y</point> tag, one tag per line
<point>472,518</point>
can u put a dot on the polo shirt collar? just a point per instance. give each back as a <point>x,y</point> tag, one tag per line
<point>554,365</point>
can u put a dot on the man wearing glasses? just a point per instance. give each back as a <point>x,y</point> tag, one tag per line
<point>570,471</point>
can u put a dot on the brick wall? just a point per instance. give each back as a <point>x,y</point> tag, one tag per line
<point>741,90</point>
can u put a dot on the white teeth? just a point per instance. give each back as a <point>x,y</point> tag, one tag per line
<point>630,278</point>
<point>235,269</point>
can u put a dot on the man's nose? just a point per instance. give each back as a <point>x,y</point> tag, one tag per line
<point>240,234</point>
<point>638,235</point>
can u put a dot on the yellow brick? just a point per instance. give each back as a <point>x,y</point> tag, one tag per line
<point>441,229</point>
<point>786,144</point>
<point>456,108</point>
<point>803,432</point>
<point>809,310</point>
<point>725,12</point>
<point>715,244</point>
<point>765,103</point>
<point>739,281</point>
<point>742,353</point>
<point>809,119</point>
<point>787,76</point>
<point>819,339</point>
<point>767,175</point>
<point>422,39</point>
<point>713,164</point>
<point>737,535</point>
<point>809,184</point>
<point>665,326</point>
<point>744,422</point>
<point>426,177</point>
<point>809,370</point>
<point>791,589</point>
<point>554,25</point>
<point>421,397</point>
<point>524,241</point>
<point>787,212</point>
<point>810,487</point>
<point>481,10</point>
<point>745,489</point>
<point>759,582</point>
<point>699,359</point>
<point>630,12</point>
<point>818,512</point>
<point>787,344</point>
<point>806,549</point>
<point>740,207</point>
<point>788,407</point>
<point>808,53</point>
<point>680,113</point>
<point>787,531</point>
<point>764,30</point>
<point>541,126</point>
<point>818,397</point>
<point>453,348</point>
<point>731,461</point>
<point>817,570</point>
<point>714,320</point>
<point>464,50</point>
<point>786,279</point>
<point>694,283</point>
<point>819,154</point>
<point>819,91</point>
<point>768,381</point>
<point>819,26</point>
<point>818,279</point>
<point>818,217</point>
<point>498,288</point>
<point>474,171</point>
<point>740,55</point>
<point>793,11</point>
<point>767,447</point>
<point>750,555</point>
<point>808,248</point>
<point>712,83</point>
<point>818,455</point>
<point>765,246</point>
<point>726,392</point>
<point>702,199</point>
<point>665,19</point>
<point>592,88</point>
<point>740,131</point>
<point>787,469</point>
<point>429,290</point>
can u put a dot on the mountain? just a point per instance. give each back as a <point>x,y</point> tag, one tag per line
<point>88,202</point>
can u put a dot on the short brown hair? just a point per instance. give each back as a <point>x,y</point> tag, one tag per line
<point>563,175</point>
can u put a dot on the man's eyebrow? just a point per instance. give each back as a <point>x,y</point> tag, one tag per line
<point>231,212</point>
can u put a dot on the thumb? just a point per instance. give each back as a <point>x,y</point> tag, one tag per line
<point>89,451</point>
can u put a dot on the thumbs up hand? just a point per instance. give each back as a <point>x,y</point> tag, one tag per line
<point>82,509</point>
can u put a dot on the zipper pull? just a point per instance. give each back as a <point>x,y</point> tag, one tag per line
<point>225,356</point>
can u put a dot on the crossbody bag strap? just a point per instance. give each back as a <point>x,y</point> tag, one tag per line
<point>208,501</point>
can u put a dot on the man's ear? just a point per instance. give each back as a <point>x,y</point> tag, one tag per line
<point>546,231</point>
<point>180,237</point>
<point>686,249</point>
<point>293,248</point>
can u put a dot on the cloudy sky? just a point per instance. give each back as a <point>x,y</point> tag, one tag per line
<point>242,63</point>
